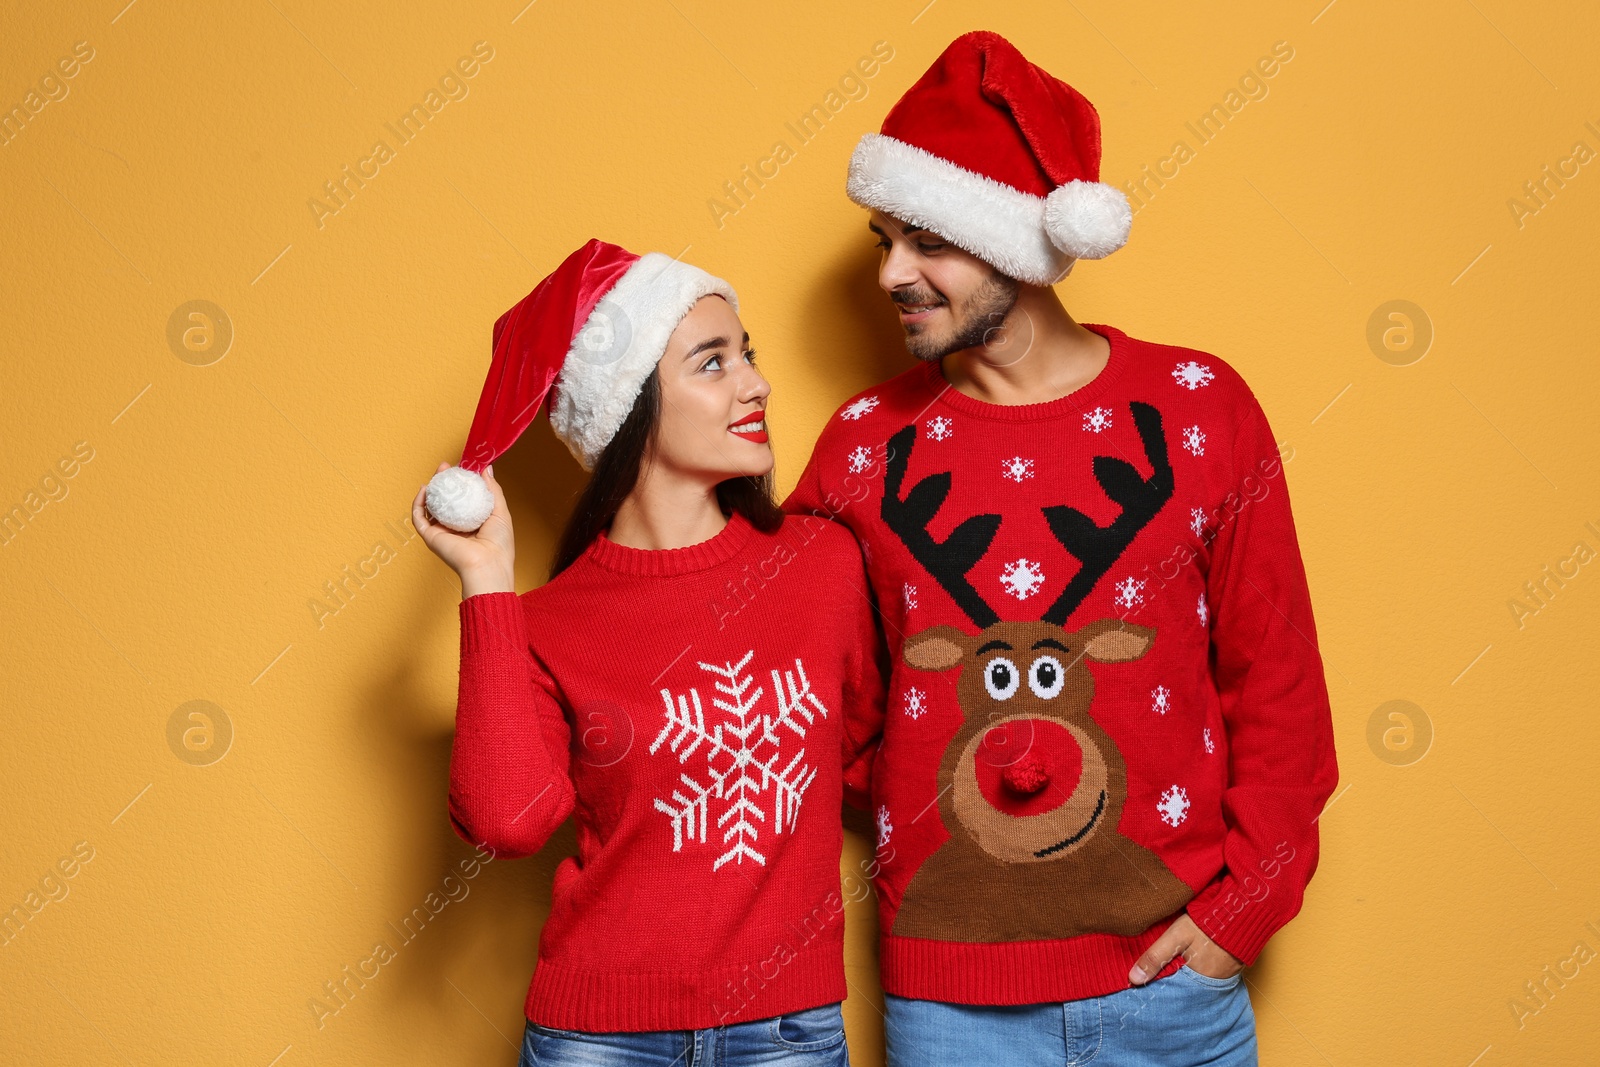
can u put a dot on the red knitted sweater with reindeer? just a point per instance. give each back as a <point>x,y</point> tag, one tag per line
<point>1107,705</point>
<point>692,709</point>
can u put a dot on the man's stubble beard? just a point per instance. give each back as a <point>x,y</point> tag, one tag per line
<point>990,304</point>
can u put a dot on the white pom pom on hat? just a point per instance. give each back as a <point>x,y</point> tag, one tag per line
<point>1087,220</point>
<point>999,157</point>
<point>587,337</point>
<point>459,499</point>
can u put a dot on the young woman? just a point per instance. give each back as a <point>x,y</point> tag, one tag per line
<point>698,683</point>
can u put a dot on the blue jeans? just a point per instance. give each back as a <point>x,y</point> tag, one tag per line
<point>1183,1020</point>
<point>810,1038</point>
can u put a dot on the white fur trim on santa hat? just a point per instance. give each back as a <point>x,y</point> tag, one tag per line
<point>1003,226</point>
<point>619,346</point>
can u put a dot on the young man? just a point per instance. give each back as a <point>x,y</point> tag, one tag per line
<point>1108,736</point>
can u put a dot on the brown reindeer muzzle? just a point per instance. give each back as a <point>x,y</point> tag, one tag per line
<point>1030,788</point>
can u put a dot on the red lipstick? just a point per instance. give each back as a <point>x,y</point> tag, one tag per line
<point>758,436</point>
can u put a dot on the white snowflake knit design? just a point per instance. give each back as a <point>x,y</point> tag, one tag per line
<point>1194,440</point>
<point>909,592</point>
<point>1022,579</point>
<point>1097,420</point>
<point>1130,592</point>
<point>1201,610</point>
<point>916,703</point>
<point>1197,520</point>
<point>857,408</point>
<point>1174,806</point>
<point>1205,735</point>
<point>1160,699</point>
<point>860,459</point>
<point>939,428</point>
<point>1192,375</point>
<point>742,758</point>
<point>1016,468</point>
<point>885,828</point>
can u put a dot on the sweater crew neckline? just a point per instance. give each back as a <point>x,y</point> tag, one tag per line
<point>1070,404</point>
<point>718,548</point>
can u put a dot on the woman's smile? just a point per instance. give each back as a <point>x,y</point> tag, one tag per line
<point>753,427</point>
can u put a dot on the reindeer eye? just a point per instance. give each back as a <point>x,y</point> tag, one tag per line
<point>1000,677</point>
<point>1046,677</point>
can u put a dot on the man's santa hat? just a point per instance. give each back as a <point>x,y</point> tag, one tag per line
<point>587,337</point>
<point>998,157</point>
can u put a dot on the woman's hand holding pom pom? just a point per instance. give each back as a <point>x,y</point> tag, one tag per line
<point>482,556</point>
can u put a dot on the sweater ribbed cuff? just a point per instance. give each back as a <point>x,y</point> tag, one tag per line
<point>493,622</point>
<point>1228,916</point>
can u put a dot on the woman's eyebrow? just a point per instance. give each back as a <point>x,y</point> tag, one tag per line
<point>711,342</point>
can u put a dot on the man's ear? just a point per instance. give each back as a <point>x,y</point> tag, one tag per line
<point>937,648</point>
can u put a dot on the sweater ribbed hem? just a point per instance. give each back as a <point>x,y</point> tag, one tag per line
<point>1060,407</point>
<point>573,998</point>
<point>493,622</point>
<point>1014,972</point>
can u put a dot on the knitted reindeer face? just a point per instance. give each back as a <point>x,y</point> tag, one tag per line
<point>1031,787</point>
<point>1033,772</point>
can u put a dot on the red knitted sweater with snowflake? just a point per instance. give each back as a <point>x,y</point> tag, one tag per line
<point>1107,704</point>
<point>694,709</point>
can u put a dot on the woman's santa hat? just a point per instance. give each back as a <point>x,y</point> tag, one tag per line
<point>587,337</point>
<point>998,157</point>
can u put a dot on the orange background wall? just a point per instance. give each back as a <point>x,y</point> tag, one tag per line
<point>192,488</point>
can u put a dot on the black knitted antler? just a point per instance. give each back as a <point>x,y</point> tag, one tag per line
<point>1098,547</point>
<point>948,560</point>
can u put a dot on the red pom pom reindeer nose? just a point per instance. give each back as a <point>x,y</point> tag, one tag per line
<point>1028,766</point>
<point>1027,776</point>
